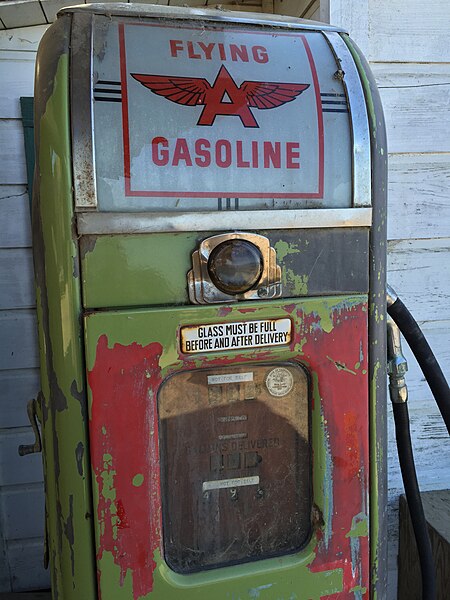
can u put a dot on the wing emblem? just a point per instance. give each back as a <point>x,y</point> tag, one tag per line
<point>224,97</point>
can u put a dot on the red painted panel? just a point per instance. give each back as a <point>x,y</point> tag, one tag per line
<point>124,384</point>
<point>124,425</point>
<point>343,389</point>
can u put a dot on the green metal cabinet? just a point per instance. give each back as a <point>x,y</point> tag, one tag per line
<point>209,433</point>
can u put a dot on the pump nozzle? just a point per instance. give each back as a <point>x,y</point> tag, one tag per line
<point>397,365</point>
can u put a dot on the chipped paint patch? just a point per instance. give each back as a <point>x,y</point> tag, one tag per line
<point>79,455</point>
<point>138,480</point>
<point>341,366</point>
<point>256,592</point>
<point>299,283</point>
<point>360,526</point>
<point>283,249</point>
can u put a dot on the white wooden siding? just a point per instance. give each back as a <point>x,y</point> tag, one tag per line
<point>407,46</point>
<point>416,101</point>
<point>413,31</point>
<point>419,204</point>
<point>21,487</point>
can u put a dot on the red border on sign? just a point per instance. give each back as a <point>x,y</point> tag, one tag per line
<point>175,194</point>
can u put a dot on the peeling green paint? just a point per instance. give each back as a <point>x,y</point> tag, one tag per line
<point>358,588</point>
<point>108,491</point>
<point>375,445</point>
<point>131,326</point>
<point>299,283</point>
<point>283,249</point>
<point>360,526</point>
<point>138,480</point>
<point>109,576</point>
<point>299,346</point>
<point>143,262</point>
<point>58,295</point>
<point>225,584</point>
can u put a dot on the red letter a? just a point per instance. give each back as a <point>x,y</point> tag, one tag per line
<point>214,105</point>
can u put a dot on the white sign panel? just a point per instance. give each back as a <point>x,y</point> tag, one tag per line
<point>201,108</point>
<point>190,116</point>
<point>236,335</point>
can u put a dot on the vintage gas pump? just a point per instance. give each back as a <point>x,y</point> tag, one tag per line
<point>209,230</point>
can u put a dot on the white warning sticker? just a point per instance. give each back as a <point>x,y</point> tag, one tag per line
<point>221,484</point>
<point>236,335</point>
<point>230,378</point>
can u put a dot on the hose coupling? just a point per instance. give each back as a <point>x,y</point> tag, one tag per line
<point>397,365</point>
<point>391,296</point>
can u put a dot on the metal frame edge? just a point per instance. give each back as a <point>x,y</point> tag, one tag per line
<point>361,168</point>
<point>377,328</point>
<point>97,223</point>
<point>81,57</point>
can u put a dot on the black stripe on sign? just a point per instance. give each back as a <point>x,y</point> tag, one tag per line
<point>103,81</point>
<point>107,99</point>
<point>334,102</point>
<point>106,91</point>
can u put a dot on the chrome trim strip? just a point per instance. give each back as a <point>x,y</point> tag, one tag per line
<point>362,186</point>
<point>106,223</point>
<point>121,9</point>
<point>81,108</point>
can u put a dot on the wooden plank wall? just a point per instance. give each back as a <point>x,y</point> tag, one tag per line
<point>407,46</point>
<point>21,487</point>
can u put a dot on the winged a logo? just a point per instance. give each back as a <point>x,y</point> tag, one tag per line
<point>223,97</point>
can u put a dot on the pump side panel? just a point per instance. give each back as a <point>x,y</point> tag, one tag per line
<point>130,353</point>
<point>63,410</point>
<point>377,327</point>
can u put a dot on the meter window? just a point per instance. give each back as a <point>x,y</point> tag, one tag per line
<point>235,464</point>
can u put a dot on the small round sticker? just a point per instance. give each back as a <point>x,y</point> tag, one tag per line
<point>279,382</point>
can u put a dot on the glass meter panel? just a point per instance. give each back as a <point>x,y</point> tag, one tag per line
<point>235,464</point>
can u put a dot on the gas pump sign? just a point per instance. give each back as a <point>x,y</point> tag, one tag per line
<point>190,112</point>
<point>209,249</point>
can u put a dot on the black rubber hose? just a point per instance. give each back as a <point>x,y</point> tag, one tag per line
<point>405,455</point>
<point>424,356</point>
